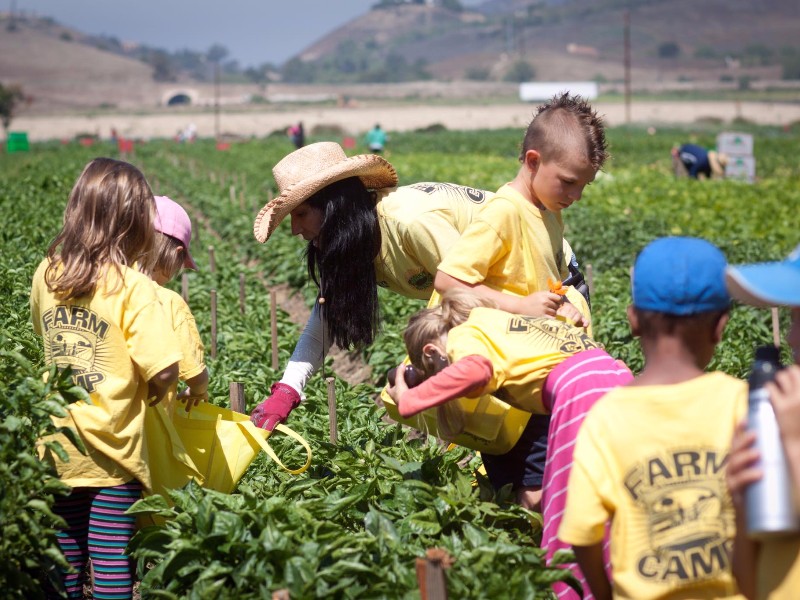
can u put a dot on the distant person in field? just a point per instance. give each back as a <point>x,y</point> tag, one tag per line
<point>651,455</point>
<point>98,313</point>
<point>540,365</point>
<point>298,135</point>
<point>376,139</point>
<point>691,160</point>
<point>363,232</point>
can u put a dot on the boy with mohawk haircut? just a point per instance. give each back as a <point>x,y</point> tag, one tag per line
<point>512,252</point>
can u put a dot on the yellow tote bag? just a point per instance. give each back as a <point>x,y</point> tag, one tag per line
<point>171,465</point>
<point>219,444</point>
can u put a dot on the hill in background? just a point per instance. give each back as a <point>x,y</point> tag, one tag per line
<point>571,39</point>
<point>494,44</point>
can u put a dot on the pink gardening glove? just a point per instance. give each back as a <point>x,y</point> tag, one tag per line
<point>276,407</point>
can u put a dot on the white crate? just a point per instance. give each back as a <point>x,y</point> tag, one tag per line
<point>735,144</point>
<point>741,167</point>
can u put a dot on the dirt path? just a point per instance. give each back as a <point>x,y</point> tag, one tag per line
<point>402,117</point>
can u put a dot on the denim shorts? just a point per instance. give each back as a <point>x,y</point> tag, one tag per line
<point>523,465</point>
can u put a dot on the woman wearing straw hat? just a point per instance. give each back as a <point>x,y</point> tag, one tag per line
<point>363,232</point>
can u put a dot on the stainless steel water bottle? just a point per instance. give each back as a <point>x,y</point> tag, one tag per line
<point>770,501</point>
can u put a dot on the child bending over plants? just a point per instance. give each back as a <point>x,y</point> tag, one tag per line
<point>466,347</point>
<point>100,317</point>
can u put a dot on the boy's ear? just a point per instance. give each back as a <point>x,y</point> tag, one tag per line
<point>532,160</point>
<point>719,326</point>
<point>633,321</point>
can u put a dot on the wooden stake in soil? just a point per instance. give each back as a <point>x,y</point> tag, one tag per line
<point>776,327</point>
<point>331,383</point>
<point>273,326</point>
<point>237,396</point>
<point>232,194</point>
<point>213,323</point>
<point>430,574</point>
<point>212,263</point>
<point>590,279</point>
<point>241,292</point>
<point>185,287</point>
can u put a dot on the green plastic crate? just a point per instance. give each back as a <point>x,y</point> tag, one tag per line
<point>17,141</point>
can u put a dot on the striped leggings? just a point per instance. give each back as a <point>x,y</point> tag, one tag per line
<point>98,529</point>
<point>570,390</point>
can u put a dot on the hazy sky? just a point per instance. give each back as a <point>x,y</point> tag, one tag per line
<point>253,31</point>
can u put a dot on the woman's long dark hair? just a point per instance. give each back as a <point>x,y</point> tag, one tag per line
<point>342,261</point>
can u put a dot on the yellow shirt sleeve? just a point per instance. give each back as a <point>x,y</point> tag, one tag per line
<point>482,245</point>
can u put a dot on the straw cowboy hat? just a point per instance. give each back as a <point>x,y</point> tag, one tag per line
<point>306,171</point>
<point>718,162</point>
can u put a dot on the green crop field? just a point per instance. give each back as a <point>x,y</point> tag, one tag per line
<point>354,523</point>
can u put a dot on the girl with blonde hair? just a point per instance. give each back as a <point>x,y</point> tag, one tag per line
<point>542,365</point>
<point>100,317</point>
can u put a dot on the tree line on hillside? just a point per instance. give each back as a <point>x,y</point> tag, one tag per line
<point>364,60</point>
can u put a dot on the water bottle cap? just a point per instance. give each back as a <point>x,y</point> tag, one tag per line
<point>768,353</point>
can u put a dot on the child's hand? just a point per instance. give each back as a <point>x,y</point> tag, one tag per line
<point>784,393</point>
<point>400,387</point>
<point>741,471</point>
<point>191,398</point>
<point>539,304</point>
<point>571,314</point>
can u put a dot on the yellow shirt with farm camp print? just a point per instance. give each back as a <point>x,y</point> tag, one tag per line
<point>652,459</point>
<point>522,350</point>
<point>115,341</point>
<point>419,224</point>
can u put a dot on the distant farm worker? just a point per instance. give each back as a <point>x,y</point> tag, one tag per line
<point>363,232</point>
<point>770,567</point>
<point>101,317</point>
<point>691,160</point>
<point>297,134</point>
<point>513,251</point>
<point>376,139</point>
<point>651,455</point>
<point>545,366</point>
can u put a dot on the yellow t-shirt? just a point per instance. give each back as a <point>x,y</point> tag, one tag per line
<point>419,224</point>
<point>652,459</point>
<point>183,324</point>
<point>492,249</point>
<point>115,343</point>
<point>778,575</point>
<point>522,350</point>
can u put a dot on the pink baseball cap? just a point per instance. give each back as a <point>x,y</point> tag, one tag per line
<point>173,221</point>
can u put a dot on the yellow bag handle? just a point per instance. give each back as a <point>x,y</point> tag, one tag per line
<point>258,435</point>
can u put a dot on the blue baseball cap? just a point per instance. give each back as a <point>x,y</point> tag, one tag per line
<point>768,283</point>
<point>680,276</point>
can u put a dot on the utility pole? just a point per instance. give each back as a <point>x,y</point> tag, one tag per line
<point>216,100</point>
<point>627,51</point>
